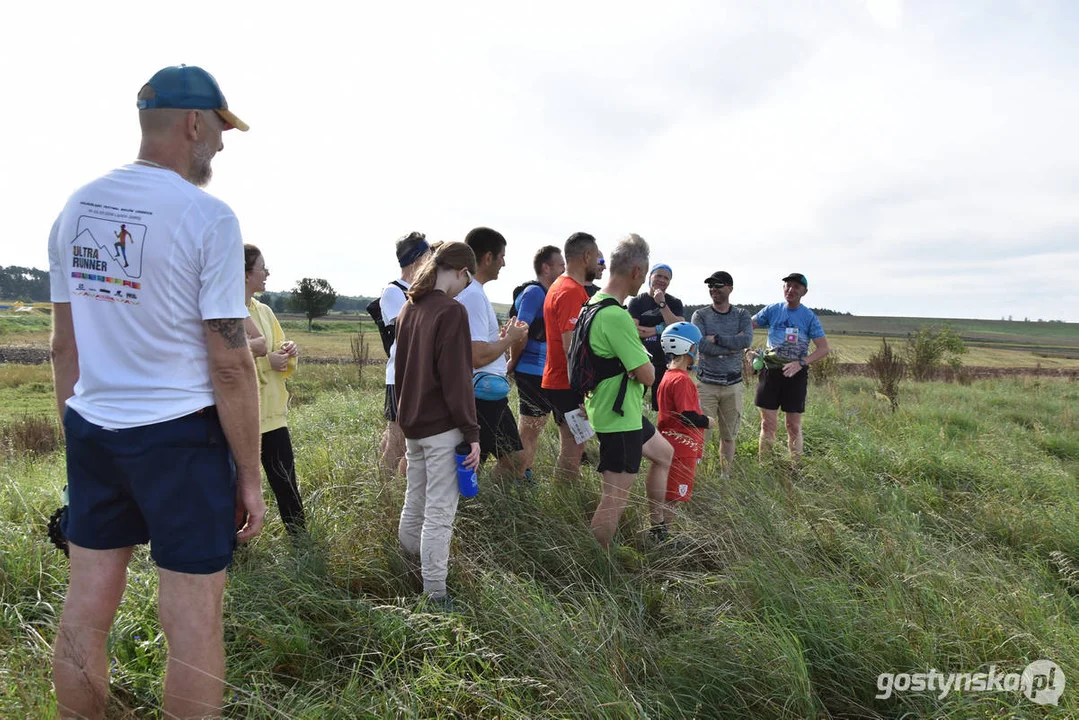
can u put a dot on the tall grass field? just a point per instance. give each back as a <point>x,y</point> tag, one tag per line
<point>944,536</point>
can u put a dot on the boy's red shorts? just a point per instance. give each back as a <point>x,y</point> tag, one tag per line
<point>680,478</point>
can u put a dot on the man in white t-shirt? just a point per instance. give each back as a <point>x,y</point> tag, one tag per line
<point>412,251</point>
<point>490,343</point>
<point>157,393</point>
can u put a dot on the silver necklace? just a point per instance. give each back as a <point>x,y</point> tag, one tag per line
<point>151,163</point>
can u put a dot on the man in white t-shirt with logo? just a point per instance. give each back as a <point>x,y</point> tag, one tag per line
<point>412,251</point>
<point>498,428</point>
<point>157,392</point>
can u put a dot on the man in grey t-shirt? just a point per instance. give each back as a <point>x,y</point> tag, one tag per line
<point>727,330</point>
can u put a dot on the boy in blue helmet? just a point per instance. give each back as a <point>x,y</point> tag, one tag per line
<point>680,420</point>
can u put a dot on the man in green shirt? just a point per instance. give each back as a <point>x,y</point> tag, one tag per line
<point>624,433</point>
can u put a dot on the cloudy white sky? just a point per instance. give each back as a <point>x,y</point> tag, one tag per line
<point>911,158</point>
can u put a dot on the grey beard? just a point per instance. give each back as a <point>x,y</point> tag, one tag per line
<point>202,171</point>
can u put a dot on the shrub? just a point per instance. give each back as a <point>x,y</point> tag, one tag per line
<point>361,354</point>
<point>888,368</point>
<point>826,369</point>
<point>749,375</point>
<point>930,347</point>
<point>29,434</point>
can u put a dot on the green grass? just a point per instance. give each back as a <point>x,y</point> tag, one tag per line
<point>26,390</point>
<point>12,323</point>
<point>25,329</point>
<point>329,327</point>
<point>943,536</point>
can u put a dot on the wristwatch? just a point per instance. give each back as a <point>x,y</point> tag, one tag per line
<point>802,362</point>
<point>661,305</point>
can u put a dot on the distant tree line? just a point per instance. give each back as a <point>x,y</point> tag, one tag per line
<point>1026,319</point>
<point>26,284</point>
<point>32,285</point>
<point>280,302</point>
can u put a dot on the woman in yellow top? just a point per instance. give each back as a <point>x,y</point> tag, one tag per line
<point>275,360</point>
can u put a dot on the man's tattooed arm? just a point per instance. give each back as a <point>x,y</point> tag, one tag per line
<point>231,331</point>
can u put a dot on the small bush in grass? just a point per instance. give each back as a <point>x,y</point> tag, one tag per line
<point>826,369</point>
<point>361,353</point>
<point>888,368</point>
<point>749,375</point>
<point>930,347</point>
<point>29,434</point>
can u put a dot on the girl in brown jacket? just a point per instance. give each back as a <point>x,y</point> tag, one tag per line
<point>436,408</point>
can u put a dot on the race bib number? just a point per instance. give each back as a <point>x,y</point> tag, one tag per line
<point>792,335</point>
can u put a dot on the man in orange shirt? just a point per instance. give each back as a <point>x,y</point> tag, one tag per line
<point>561,307</point>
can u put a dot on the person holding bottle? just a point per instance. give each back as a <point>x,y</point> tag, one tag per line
<point>436,409</point>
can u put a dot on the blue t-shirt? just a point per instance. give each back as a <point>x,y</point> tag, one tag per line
<point>529,306</point>
<point>789,331</point>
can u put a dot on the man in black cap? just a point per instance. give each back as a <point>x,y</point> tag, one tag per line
<point>158,397</point>
<point>785,377</point>
<point>727,331</point>
<point>412,251</point>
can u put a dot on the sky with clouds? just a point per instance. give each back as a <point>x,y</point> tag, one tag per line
<point>911,158</point>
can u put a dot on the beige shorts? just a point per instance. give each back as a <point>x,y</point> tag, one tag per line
<point>724,403</point>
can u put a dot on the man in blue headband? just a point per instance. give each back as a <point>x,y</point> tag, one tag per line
<point>654,310</point>
<point>412,251</point>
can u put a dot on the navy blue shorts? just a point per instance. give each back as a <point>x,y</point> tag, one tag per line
<point>172,484</point>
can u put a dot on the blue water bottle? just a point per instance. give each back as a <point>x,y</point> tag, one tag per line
<point>466,477</point>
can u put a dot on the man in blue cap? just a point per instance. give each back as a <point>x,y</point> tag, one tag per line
<point>157,393</point>
<point>784,379</point>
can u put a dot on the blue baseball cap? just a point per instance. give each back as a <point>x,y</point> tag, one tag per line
<point>187,87</point>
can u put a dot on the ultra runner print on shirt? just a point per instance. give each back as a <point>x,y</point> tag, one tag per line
<point>106,254</point>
